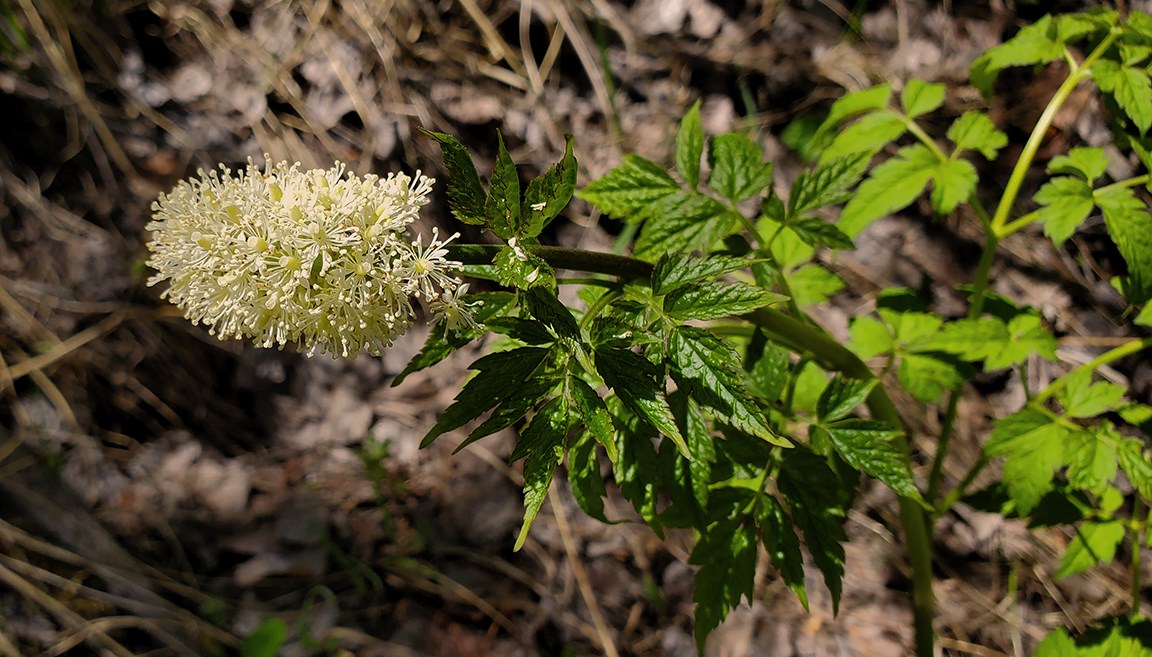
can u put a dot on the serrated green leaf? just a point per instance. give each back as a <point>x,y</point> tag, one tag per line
<point>1144,318</point>
<point>975,131</point>
<point>1131,88</point>
<point>868,135</point>
<point>854,103</point>
<point>698,435</point>
<point>1130,226</point>
<point>911,328</point>
<point>690,146</point>
<point>1135,462</point>
<point>637,470</point>
<point>739,171</point>
<point>441,342</point>
<point>827,184</point>
<point>594,415</point>
<point>1091,459</point>
<point>789,250</point>
<point>817,232</point>
<point>266,640</point>
<point>767,366</point>
<point>628,190</point>
<point>543,443</point>
<point>927,378</point>
<point>584,475</point>
<point>1065,202</point>
<point>518,268</point>
<point>544,305</point>
<point>1033,44</point>
<point>870,337</point>
<point>549,193</point>
<point>892,186</point>
<point>708,368</point>
<point>1090,162</point>
<point>1094,543</point>
<point>1074,27</point>
<point>502,208</point>
<point>466,196</point>
<point>683,222</point>
<point>1118,637</point>
<point>676,270</point>
<point>1026,336</point>
<point>953,182</point>
<point>714,300</point>
<point>813,284</point>
<point>842,396</point>
<point>871,447</point>
<point>526,396</point>
<point>783,545</point>
<point>920,97</point>
<point>633,378</point>
<point>726,554</point>
<point>1082,398</point>
<point>818,501</point>
<point>488,388</point>
<point>527,331</point>
<point>1033,446</point>
<point>971,339</point>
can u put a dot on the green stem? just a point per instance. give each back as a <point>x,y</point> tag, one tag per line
<point>1110,356</point>
<point>1139,528</point>
<point>803,338</point>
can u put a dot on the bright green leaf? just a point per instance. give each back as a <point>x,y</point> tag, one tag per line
<point>975,131</point>
<point>1094,543</point>
<point>892,186</point>
<point>1033,446</point>
<point>842,396</point>
<point>1118,637</point>
<point>1091,459</point>
<point>690,146</point>
<point>714,300</point>
<point>952,183</point>
<point>920,97</point>
<point>1065,202</point>
<point>827,184</point>
<point>817,232</point>
<point>1082,398</point>
<point>1033,44</point>
<point>1131,88</point>
<point>266,640</point>
<point>628,190</point>
<point>927,378</point>
<point>1136,463</point>
<point>1130,226</point>
<point>676,270</point>
<point>739,171</point>
<point>857,102</point>
<point>872,447</point>
<point>1090,162</point>
<point>682,222</point>
<point>868,135</point>
<point>812,284</point>
<point>1026,336</point>
<point>543,442</point>
<point>870,337</point>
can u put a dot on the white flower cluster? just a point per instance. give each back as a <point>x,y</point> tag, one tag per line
<point>321,258</point>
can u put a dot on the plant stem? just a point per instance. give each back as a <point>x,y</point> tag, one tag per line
<point>560,258</point>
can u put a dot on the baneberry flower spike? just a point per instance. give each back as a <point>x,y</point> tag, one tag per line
<point>322,258</point>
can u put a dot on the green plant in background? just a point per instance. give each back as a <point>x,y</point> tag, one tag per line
<point>692,367</point>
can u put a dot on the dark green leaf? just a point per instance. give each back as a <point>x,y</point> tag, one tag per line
<point>525,397</point>
<point>266,640</point>
<point>783,545</point>
<point>528,331</point>
<point>842,396</point>
<point>1094,543</point>
<point>698,434</point>
<point>637,469</point>
<point>690,146</point>
<point>892,186</point>
<point>819,499</point>
<point>546,307</point>
<point>920,97</point>
<point>466,195</point>
<point>633,378</point>
<point>827,184</point>
<point>1065,202</point>
<point>502,209</point>
<point>714,300</point>
<point>553,188</point>
<point>584,475</point>
<point>627,191</point>
<point>975,131</point>
<point>817,232</point>
<point>682,222</point>
<point>1033,44</point>
<point>442,342</point>
<point>593,414</point>
<point>543,442</point>
<point>768,367</point>
<point>1130,226</point>
<point>708,368</point>
<point>726,554</point>
<point>739,171</point>
<point>489,387</point>
<point>676,270</point>
<point>1033,446</point>
<point>872,447</point>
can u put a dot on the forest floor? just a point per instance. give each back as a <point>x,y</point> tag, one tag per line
<point>164,493</point>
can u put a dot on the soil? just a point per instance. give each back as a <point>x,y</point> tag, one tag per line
<point>165,493</point>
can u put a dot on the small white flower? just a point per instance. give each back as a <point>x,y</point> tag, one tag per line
<point>321,258</point>
<point>453,312</point>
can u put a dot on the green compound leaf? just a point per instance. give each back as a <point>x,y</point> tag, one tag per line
<point>871,447</point>
<point>1119,636</point>
<point>812,284</point>
<point>690,146</point>
<point>842,396</point>
<point>543,443</point>
<point>1131,88</point>
<point>827,184</point>
<point>715,300</point>
<point>627,191</point>
<point>952,183</point>
<point>870,337</point>
<point>1090,162</point>
<point>441,342</point>
<point>677,270</point>
<point>488,388</point>
<point>698,433</point>
<point>868,135</point>
<point>768,367</point>
<point>1065,202</point>
<point>819,499</point>
<point>633,378</point>
<point>526,397</point>
<point>1130,226</point>
<point>989,339</point>
<point>527,331</point>
<point>544,305</point>
<point>726,554</point>
<point>518,268</point>
<point>782,544</point>
<point>584,475</point>
<point>817,232</point>
<point>502,209</point>
<point>739,171</point>
<point>892,186</point>
<point>854,103</point>
<point>549,193</point>
<point>1136,463</point>
<point>593,414</point>
<point>975,131</point>
<point>683,222</point>
<point>1094,543</point>
<point>1082,398</point>
<point>920,97</point>
<point>926,377</point>
<point>1037,43</point>
<point>709,369</point>
<point>637,470</point>
<point>1091,458</point>
<point>466,197</point>
<point>1033,446</point>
